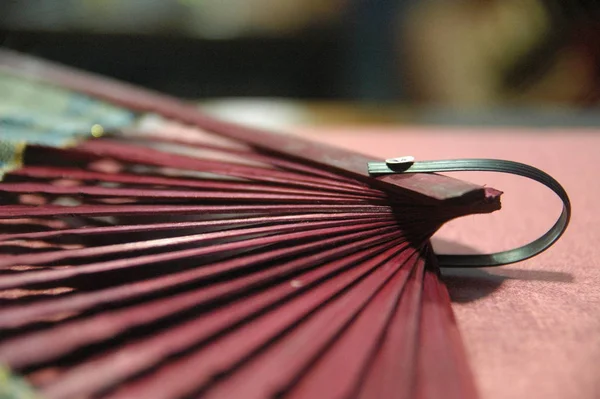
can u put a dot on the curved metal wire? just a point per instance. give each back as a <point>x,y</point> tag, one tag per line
<point>526,251</point>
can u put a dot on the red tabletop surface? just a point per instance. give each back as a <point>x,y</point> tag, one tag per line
<point>532,329</point>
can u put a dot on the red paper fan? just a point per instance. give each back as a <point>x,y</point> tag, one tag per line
<point>180,256</point>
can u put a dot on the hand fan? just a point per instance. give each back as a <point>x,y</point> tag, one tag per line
<point>149,251</point>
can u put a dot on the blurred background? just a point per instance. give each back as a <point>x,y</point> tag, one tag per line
<point>278,62</point>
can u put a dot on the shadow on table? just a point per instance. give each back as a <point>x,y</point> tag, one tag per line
<point>470,284</point>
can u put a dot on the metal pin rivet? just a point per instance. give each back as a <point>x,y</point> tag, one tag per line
<point>400,160</point>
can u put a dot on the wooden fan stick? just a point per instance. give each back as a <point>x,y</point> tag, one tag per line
<point>428,188</point>
<point>251,155</point>
<point>21,211</point>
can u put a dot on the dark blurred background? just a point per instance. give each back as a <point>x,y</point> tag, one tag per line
<point>467,61</point>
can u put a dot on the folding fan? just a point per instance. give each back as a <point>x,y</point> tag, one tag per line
<point>149,251</point>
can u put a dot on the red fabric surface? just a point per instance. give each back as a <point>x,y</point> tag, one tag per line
<point>532,329</point>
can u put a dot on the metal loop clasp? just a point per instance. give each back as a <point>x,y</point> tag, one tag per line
<point>408,165</point>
